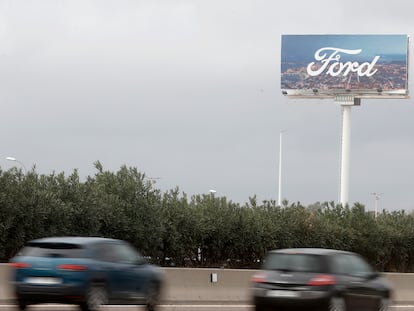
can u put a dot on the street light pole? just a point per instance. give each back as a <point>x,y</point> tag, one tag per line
<point>377,198</point>
<point>15,160</point>
<point>153,179</point>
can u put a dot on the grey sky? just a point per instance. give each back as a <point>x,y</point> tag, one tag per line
<point>189,91</point>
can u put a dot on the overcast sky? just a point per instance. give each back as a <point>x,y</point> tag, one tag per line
<point>189,91</point>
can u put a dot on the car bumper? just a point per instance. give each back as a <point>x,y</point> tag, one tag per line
<point>312,300</point>
<point>45,294</point>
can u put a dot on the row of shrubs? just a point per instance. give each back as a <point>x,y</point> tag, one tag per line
<point>199,231</point>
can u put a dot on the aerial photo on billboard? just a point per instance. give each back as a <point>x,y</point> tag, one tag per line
<point>331,65</point>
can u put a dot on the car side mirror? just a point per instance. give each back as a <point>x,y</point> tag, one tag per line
<point>373,275</point>
<point>141,261</point>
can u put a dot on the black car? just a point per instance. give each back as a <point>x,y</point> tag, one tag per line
<point>319,279</point>
<point>87,271</point>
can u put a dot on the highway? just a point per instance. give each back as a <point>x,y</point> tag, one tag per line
<point>191,289</point>
<point>215,307</point>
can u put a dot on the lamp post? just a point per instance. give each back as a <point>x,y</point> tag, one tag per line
<point>153,179</point>
<point>15,160</point>
<point>377,197</point>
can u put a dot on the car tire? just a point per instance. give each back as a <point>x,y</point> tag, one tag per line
<point>96,296</point>
<point>337,304</point>
<point>22,304</point>
<point>152,297</point>
<point>385,304</point>
<point>259,308</point>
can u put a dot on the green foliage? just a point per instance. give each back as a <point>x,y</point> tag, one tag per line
<point>204,230</point>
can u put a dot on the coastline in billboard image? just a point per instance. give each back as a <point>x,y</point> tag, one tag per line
<point>328,65</point>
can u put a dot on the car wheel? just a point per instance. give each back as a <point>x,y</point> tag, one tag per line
<point>259,308</point>
<point>95,297</point>
<point>152,298</point>
<point>22,304</point>
<point>384,304</point>
<point>337,304</point>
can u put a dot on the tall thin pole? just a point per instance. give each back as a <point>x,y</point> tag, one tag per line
<point>279,198</point>
<point>377,197</point>
<point>345,153</point>
<point>346,102</point>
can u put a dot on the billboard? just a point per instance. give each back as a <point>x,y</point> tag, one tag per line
<point>373,66</point>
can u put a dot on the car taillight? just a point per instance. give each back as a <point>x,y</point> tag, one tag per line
<point>72,267</point>
<point>19,265</point>
<point>259,278</point>
<point>321,280</point>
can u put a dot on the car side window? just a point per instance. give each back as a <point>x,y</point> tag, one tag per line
<point>341,265</point>
<point>352,265</point>
<point>105,252</point>
<point>360,267</point>
<point>127,254</point>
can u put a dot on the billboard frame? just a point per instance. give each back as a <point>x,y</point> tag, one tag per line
<point>372,93</point>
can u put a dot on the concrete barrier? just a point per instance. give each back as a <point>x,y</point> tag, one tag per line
<point>207,285</point>
<point>195,285</point>
<point>6,292</point>
<point>403,287</point>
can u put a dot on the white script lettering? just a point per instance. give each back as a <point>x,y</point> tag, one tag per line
<point>336,67</point>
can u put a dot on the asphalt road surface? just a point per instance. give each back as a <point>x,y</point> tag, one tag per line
<point>217,307</point>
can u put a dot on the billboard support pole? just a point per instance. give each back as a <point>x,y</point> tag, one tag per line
<point>279,195</point>
<point>346,103</point>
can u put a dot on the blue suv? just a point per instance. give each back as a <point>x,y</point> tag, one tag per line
<point>88,271</point>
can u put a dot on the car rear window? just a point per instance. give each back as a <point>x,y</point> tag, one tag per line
<point>294,262</point>
<point>66,250</point>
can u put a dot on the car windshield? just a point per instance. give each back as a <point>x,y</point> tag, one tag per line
<point>294,262</point>
<point>66,250</point>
